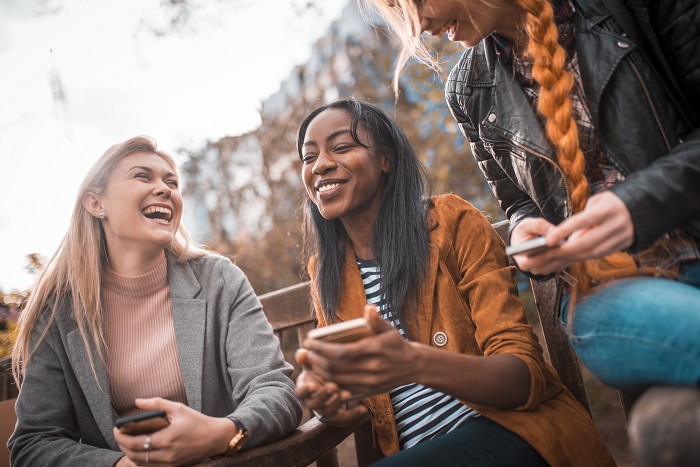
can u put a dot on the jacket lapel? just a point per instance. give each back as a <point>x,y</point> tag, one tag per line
<point>425,297</point>
<point>189,319</point>
<point>98,397</point>
<point>610,49</point>
<point>352,296</point>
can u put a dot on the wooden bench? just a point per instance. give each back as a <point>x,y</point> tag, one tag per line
<point>290,314</point>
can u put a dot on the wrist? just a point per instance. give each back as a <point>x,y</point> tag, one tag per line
<point>223,432</point>
<point>419,365</point>
<point>238,439</point>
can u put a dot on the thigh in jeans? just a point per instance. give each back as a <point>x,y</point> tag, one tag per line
<point>637,332</point>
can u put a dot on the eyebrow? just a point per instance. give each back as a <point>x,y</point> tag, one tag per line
<point>330,137</point>
<point>150,170</point>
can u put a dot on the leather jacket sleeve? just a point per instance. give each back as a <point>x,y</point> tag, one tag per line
<point>664,195</point>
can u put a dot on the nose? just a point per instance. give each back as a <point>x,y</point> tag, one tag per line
<point>324,163</point>
<point>162,189</point>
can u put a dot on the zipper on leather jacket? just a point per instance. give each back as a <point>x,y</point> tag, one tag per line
<point>647,94</point>
<point>569,209</point>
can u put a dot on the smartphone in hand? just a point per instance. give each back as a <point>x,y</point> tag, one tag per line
<point>531,247</point>
<point>342,333</point>
<point>143,423</point>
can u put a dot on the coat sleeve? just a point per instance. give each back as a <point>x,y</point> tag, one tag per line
<point>47,431</point>
<point>664,195</point>
<point>486,283</point>
<point>261,379</point>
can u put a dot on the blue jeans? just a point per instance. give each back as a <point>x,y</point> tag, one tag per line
<point>638,332</point>
<point>480,442</point>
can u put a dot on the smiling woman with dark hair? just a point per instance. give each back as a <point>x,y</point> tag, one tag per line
<point>454,374</point>
<point>128,316</point>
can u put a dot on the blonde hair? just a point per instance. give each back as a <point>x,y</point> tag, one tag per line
<point>75,270</point>
<point>554,103</point>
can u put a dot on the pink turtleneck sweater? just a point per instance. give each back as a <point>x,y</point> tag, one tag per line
<point>142,358</point>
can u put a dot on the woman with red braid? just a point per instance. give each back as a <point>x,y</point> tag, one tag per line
<point>589,139</point>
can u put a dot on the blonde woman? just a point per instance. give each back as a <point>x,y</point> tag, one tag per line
<point>580,113</point>
<point>126,317</point>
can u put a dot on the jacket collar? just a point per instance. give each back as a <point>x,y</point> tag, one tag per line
<point>498,119</point>
<point>609,47</point>
<point>495,109</point>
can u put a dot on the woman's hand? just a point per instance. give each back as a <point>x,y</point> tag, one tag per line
<point>191,436</point>
<point>602,228</point>
<point>125,462</point>
<point>327,399</point>
<point>372,365</point>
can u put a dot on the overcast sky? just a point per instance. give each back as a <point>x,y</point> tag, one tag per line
<point>90,73</point>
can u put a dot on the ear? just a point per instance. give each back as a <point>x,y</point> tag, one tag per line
<point>92,204</point>
<point>386,165</point>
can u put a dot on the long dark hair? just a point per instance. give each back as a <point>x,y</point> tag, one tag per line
<point>400,238</point>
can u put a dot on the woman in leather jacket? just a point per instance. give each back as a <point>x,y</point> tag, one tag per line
<point>588,139</point>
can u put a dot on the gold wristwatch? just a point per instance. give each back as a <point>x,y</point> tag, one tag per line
<point>238,440</point>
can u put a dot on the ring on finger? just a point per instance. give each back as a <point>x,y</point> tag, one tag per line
<point>147,444</point>
<point>147,455</point>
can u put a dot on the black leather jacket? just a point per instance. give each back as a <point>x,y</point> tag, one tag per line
<point>641,130</point>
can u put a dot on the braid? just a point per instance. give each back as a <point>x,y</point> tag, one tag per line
<point>554,101</point>
<point>549,61</point>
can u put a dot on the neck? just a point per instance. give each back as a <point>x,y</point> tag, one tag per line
<point>514,29</point>
<point>360,235</point>
<point>134,262</point>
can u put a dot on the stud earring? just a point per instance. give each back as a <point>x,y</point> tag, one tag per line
<point>102,215</point>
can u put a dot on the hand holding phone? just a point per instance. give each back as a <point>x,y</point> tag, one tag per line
<point>342,333</point>
<point>531,247</point>
<point>143,423</point>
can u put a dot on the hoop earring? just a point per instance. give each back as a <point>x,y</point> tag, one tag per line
<point>102,215</point>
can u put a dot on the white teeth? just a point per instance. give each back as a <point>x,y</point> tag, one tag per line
<point>153,209</point>
<point>330,186</point>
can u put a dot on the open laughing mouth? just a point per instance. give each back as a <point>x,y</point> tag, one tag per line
<point>328,187</point>
<point>158,213</point>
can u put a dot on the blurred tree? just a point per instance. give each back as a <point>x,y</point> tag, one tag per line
<point>246,189</point>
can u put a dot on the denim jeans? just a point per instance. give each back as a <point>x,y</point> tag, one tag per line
<point>638,332</point>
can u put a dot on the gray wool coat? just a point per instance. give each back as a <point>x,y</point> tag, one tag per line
<point>230,360</point>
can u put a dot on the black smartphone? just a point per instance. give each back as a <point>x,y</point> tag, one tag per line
<point>341,333</point>
<point>533,246</point>
<point>142,423</point>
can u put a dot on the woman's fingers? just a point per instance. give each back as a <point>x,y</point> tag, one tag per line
<point>602,228</point>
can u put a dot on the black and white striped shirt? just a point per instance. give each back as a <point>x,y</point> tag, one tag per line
<point>420,413</point>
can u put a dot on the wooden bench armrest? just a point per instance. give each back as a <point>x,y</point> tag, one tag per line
<point>302,447</point>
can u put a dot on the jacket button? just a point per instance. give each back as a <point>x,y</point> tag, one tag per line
<point>440,339</point>
<point>492,117</point>
<point>622,45</point>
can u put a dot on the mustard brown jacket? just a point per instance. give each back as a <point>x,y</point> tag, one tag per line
<point>471,296</point>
